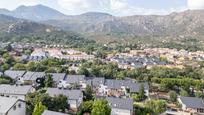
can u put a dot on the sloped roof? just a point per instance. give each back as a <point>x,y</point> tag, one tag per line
<point>14,74</point>
<point>120,103</point>
<point>71,94</point>
<point>33,75</point>
<point>6,104</point>
<point>74,78</point>
<point>57,76</point>
<point>13,89</point>
<point>192,102</point>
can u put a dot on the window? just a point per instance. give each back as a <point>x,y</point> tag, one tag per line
<point>14,107</point>
<point>19,105</point>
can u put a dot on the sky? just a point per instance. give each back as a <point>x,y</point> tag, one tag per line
<point>114,7</point>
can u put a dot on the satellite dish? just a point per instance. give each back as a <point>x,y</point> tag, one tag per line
<point>39,80</point>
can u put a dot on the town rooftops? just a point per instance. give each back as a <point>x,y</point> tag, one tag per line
<point>6,104</point>
<point>120,103</point>
<point>14,74</point>
<point>16,90</point>
<point>74,78</point>
<point>192,102</point>
<point>71,94</point>
<point>57,76</point>
<point>47,112</point>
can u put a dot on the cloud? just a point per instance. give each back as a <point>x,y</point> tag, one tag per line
<point>195,4</point>
<point>83,5</point>
<point>123,7</point>
<point>116,7</point>
<point>12,4</point>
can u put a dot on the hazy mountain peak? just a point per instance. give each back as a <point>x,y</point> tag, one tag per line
<point>36,13</point>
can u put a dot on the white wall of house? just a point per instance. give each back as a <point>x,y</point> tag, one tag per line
<point>115,111</point>
<point>18,109</point>
<point>146,93</point>
<point>183,105</point>
<point>72,103</point>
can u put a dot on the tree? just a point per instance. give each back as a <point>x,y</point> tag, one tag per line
<point>39,108</point>
<point>88,93</point>
<point>141,92</point>
<point>199,94</point>
<point>157,106</point>
<point>136,97</point>
<point>60,103</point>
<point>19,66</point>
<point>101,107</point>
<point>86,107</point>
<point>31,66</point>
<point>49,81</point>
<point>5,67</point>
<point>184,93</point>
<point>173,96</point>
<point>83,71</point>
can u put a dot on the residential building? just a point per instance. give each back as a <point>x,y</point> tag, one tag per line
<point>120,106</point>
<point>192,104</point>
<point>31,77</point>
<point>12,106</point>
<point>14,74</point>
<point>15,91</point>
<point>71,80</point>
<point>120,88</point>
<point>57,77</point>
<point>75,97</point>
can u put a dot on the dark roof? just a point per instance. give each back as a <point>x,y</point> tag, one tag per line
<point>57,76</point>
<point>14,74</point>
<point>71,94</point>
<point>134,87</point>
<point>47,112</point>
<point>120,103</point>
<point>192,102</point>
<point>13,89</point>
<point>33,75</point>
<point>74,78</point>
<point>117,84</point>
<point>96,81</point>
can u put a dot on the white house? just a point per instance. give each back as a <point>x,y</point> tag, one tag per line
<point>120,106</point>
<point>12,106</point>
<point>69,80</point>
<point>14,91</point>
<point>119,88</point>
<point>192,104</point>
<point>75,97</point>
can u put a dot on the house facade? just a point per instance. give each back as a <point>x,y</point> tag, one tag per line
<point>120,106</point>
<point>75,97</point>
<point>12,106</point>
<point>14,91</point>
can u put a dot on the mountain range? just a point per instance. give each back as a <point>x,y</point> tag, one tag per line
<point>187,23</point>
<point>34,13</point>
